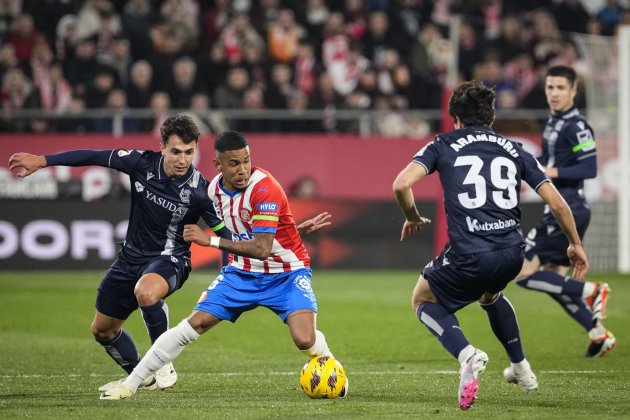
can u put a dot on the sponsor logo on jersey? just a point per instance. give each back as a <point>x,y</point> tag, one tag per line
<point>246,236</point>
<point>246,215</point>
<point>150,175</point>
<point>184,195</point>
<point>475,226</point>
<point>164,203</point>
<point>139,186</point>
<point>123,153</point>
<point>174,259</point>
<point>268,207</point>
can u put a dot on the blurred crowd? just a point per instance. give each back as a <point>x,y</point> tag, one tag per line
<point>68,56</point>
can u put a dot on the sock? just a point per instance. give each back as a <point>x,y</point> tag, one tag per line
<point>503,321</point>
<point>320,348</point>
<point>577,309</point>
<point>465,354</point>
<point>165,349</point>
<point>155,318</point>
<point>596,332</point>
<point>444,326</point>
<point>123,350</point>
<point>552,283</point>
<point>521,366</point>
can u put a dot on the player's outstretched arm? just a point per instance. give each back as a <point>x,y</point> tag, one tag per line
<point>259,247</point>
<point>313,225</point>
<point>24,164</point>
<point>562,212</point>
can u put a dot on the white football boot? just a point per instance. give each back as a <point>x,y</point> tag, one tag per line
<point>166,377</point>
<point>469,378</point>
<point>119,392</point>
<point>148,383</point>
<point>523,377</point>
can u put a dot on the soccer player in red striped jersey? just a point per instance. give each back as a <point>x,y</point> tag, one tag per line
<point>269,265</point>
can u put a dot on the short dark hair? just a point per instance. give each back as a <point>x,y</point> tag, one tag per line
<point>230,140</point>
<point>473,103</point>
<point>562,71</point>
<point>181,125</point>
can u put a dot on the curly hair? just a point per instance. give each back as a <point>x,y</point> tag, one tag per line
<point>473,103</point>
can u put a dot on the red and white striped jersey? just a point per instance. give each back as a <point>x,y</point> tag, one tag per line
<point>261,208</point>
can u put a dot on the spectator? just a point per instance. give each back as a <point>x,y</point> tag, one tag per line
<point>284,37</point>
<point>609,16</point>
<point>81,67</point>
<point>65,37</point>
<point>116,121</point>
<point>140,87</point>
<point>24,36</point>
<point>184,83</point>
<point>229,95</point>
<point>17,93</point>
<point>99,90</point>
<point>137,18</point>
<point>55,91</point>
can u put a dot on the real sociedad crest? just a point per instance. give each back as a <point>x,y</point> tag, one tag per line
<point>184,195</point>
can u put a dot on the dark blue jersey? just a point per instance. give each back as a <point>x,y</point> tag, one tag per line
<point>569,145</point>
<point>481,175</point>
<point>160,206</point>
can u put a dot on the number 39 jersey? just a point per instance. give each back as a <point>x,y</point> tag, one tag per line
<point>481,175</point>
<point>262,207</point>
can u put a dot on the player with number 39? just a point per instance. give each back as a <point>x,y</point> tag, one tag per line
<point>481,173</point>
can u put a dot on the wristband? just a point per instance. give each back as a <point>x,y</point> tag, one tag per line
<point>215,241</point>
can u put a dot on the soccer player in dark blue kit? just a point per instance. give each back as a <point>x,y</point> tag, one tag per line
<point>569,157</point>
<point>481,173</point>
<point>167,193</point>
<point>154,261</point>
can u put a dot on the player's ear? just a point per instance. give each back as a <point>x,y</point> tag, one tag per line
<point>217,163</point>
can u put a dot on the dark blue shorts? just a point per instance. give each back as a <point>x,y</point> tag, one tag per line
<point>458,280</point>
<point>549,242</point>
<point>116,297</point>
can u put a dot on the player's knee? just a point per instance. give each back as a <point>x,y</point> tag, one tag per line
<point>147,297</point>
<point>304,341</point>
<point>103,335</point>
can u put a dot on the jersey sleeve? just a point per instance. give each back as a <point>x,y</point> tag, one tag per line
<point>428,156</point>
<point>533,172</point>
<point>266,201</point>
<point>121,160</point>
<point>581,139</point>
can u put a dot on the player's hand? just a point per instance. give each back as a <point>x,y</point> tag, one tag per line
<point>579,261</point>
<point>193,233</point>
<point>24,164</point>
<point>313,225</point>
<point>412,226</point>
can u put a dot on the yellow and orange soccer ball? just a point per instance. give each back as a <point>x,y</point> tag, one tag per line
<point>324,377</point>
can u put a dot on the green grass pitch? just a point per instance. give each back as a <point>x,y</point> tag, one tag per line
<point>50,366</point>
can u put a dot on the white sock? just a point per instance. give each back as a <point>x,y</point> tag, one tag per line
<point>320,348</point>
<point>465,354</point>
<point>589,288</point>
<point>597,332</point>
<point>165,349</point>
<point>521,366</point>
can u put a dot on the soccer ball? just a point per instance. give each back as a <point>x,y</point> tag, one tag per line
<point>323,377</point>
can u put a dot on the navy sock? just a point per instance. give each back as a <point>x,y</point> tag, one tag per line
<point>155,318</point>
<point>503,321</point>
<point>123,350</point>
<point>564,290</point>
<point>577,309</point>
<point>552,283</point>
<point>444,326</point>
